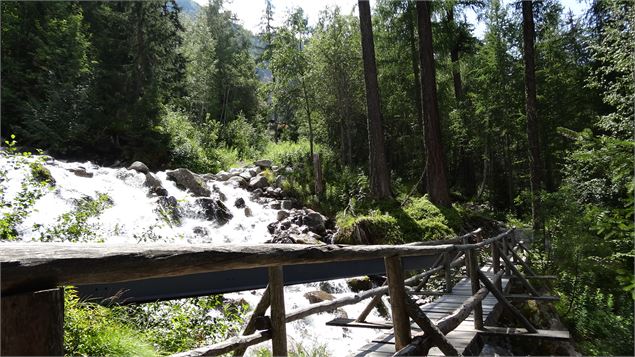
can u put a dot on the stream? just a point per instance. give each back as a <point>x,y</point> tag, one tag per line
<point>132,214</point>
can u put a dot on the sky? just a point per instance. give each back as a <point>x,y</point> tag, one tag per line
<point>249,12</point>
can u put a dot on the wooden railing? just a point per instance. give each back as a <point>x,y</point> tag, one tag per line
<point>28,269</point>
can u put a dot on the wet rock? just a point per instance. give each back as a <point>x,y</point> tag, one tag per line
<point>139,167</point>
<point>275,205</point>
<point>287,204</point>
<point>215,210</point>
<point>318,296</point>
<point>185,179</point>
<point>246,175</point>
<point>238,181</point>
<point>253,172</point>
<point>240,203</point>
<point>327,287</point>
<point>81,172</point>
<point>271,227</point>
<point>285,224</point>
<point>223,176</point>
<point>248,212</point>
<point>169,210</point>
<point>151,181</point>
<point>263,164</point>
<point>282,215</point>
<point>359,284</point>
<point>258,182</point>
<point>315,222</point>
<point>159,191</point>
<point>209,177</point>
<point>492,350</point>
<point>304,238</point>
<point>200,231</point>
<point>280,180</point>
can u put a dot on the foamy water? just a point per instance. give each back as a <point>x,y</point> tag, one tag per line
<point>133,218</point>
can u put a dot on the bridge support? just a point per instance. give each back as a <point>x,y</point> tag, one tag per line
<point>33,323</point>
<point>400,319</point>
<point>278,315</point>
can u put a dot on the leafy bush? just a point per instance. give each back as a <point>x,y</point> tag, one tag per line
<point>94,330</point>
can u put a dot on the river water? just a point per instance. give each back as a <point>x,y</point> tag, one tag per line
<point>132,218</point>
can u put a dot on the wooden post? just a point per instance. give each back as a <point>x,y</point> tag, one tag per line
<point>473,271</point>
<point>501,298</point>
<point>32,323</point>
<point>400,320</point>
<point>506,253</point>
<point>278,315</point>
<point>448,272</point>
<point>496,263</point>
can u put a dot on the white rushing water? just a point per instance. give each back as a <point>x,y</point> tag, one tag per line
<point>133,218</point>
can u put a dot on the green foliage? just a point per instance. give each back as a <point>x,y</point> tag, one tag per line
<point>298,350</point>
<point>176,326</point>
<point>94,330</point>
<point>73,226</point>
<point>41,173</point>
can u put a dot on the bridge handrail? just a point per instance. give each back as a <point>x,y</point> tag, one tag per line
<point>36,266</point>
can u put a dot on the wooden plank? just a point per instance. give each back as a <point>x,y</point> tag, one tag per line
<point>32,323</point>
<point>46,265</point>
<point>398,296</point>
<point>363,324</point>
<point>529,297</point>
<point>521,332</point>
<point>278,316</point>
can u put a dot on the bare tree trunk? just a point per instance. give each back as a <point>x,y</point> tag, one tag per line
<point>379,173</point>
<point>437,181</point>
<point>454,57</point>
<point>532,117</point>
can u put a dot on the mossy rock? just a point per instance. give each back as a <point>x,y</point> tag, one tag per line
<point>371,229</point>
<point>41,174</point>
<point>359,284</point>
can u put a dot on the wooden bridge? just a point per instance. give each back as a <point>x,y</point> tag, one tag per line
<point>31,274</point>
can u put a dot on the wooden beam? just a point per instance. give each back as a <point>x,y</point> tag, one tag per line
<point>541,277</point>
<point>519,275</point>
<point>32,323</point>
<point>278,316</point>
<point>221,348</point>
<point>496,263</point>
<point>353,323</point>
<point>501,299</point>
<point>422,320</point>
<point>517,258</point>
<point>259,310</point>
<point>31,266</point>
<point>425,279</point>
<point>371,305</point>
<point>521,332</point>
<point>400,320</point>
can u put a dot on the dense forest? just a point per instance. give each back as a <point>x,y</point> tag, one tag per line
<point>414,121</point>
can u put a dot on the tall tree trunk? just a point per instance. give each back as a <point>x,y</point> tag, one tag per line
<point>437,182</point>
<point>417,85</point>
<point>532,117</point>
<point>379,174</point>
<point>454,57</point>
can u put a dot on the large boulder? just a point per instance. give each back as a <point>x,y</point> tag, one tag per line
<point>315,222</point>
<point>258,182</point>
<point>263,164</point>
<point>359,284</point>
<point>185,179</point>
<point>282,215</point>
<point>151,181</point>
<point>139,167</point>
<point>238,181</point>
<point>168,209</point>
<point>246,175</point>
<point>215,210</point>
<point>223,176</point>
<point>318,296</point>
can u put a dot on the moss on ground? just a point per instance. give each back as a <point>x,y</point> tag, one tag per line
<point>390,223</point>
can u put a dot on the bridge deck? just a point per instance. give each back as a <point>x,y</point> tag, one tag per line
<point>462,338</point>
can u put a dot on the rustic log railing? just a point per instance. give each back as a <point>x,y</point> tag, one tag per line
<point>27,268</point>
